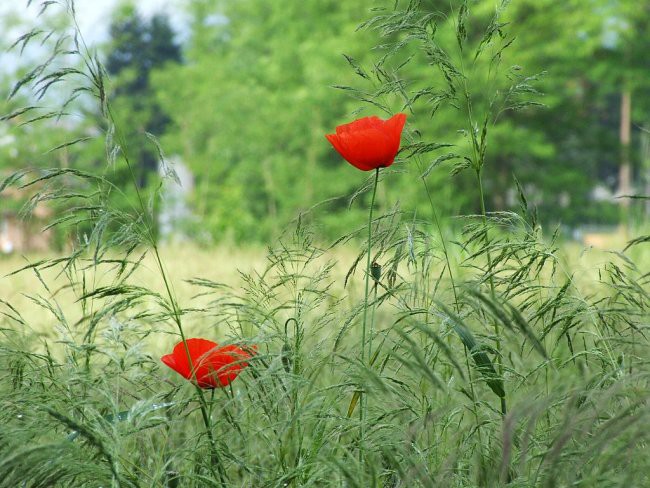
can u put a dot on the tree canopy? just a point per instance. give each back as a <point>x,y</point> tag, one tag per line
<point>247,98</point>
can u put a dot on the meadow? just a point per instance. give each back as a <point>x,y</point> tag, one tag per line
<point>423,344</point>
<point>87,401</point>
<point>227,265</point>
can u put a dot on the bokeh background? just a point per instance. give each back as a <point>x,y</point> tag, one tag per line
<point>239,95</point>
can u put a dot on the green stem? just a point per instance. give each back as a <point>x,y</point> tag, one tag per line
<point>176,314</point>
<point>106,110</point>
<point>442,242</point>
<point>215,457</point>
<point>372,323</point>
<point>497,331</point>
<point>362,399</point>
<point>456,303</point>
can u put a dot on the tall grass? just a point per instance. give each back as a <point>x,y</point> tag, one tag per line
<point>492,363</point>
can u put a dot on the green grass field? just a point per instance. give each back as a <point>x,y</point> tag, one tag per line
<point>448,337</point>
<point>543,383</point>
<point>225,265</point>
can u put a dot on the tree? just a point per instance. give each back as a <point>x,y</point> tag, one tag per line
<point>138,47</point>
<point>252,105</point>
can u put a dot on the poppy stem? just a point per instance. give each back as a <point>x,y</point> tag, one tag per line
<point>176,313</point>
<point>215,458</point>
<point>362,397</point>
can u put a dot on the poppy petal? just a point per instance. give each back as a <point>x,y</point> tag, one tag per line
<point>370,142</point>
<point>393,128</point>
<point>335,141</point>
<point>364,123</point>
<point>222,365</point>
<point>169,360</point>
<point>395,125</point>
<point>197,348</point>
<point>214,366</point>
<point>367,149</point>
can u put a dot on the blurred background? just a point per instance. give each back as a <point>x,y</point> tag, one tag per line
<point>240,93</point>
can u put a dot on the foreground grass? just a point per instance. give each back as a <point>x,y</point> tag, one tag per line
<point>493,356</point>
<point>86,401</point>
<point>220,265</point>
<point>228,266</point>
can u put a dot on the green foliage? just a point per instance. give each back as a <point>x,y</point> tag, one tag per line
<point>137,48</point>
<point>490,363</point>
<point>251,107</point>
<point>250,62</point>
<point>249,110</point>
<point>98,406</point>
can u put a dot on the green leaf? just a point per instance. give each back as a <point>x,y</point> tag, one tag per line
<point>481,359</point>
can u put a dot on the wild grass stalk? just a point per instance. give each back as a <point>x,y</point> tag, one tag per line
<point>85,402</point>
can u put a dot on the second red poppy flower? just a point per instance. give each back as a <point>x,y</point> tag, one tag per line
<point>214,366</point>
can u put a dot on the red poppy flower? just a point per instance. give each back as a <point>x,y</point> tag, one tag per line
<point>214,366</point>
<point>370,142</point>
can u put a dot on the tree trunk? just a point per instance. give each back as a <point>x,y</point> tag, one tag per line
<point>624,173</point>
<point>645,164</point>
